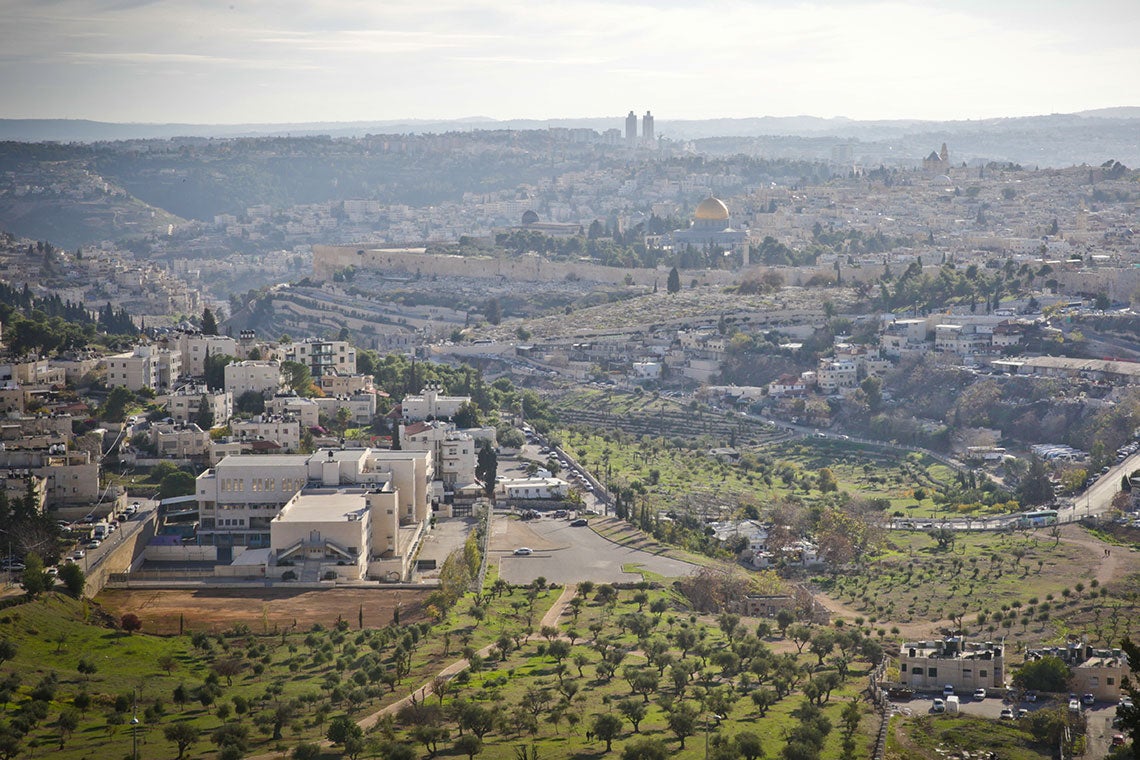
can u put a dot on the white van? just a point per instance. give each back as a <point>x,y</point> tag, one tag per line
<point>100,531</point>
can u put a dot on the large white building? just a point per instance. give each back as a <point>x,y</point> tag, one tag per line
<point>239,497</point>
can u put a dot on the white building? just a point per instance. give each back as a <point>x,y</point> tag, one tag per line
<point>533,488</point>
<point>262,377</point>
<point>453,452</point>
<point>322,357</point>
<point>179,440</point>
<point>285,431</point>
<point>431,404</point>
<point>184,404</point>
<point>195,348</point>
<point>304,409</point>
<point>146,367</point>
<point>239,497</point>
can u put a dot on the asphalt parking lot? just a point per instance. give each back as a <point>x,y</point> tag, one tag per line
<point>563,554</point>
<point>449,534</point>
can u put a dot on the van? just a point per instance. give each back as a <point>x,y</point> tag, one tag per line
<point>100,531</point>
<point>952,705</point>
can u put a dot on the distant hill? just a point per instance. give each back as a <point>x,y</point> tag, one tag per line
<point>80,130</point>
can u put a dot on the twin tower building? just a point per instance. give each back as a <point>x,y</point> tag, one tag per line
<point>647,135</point>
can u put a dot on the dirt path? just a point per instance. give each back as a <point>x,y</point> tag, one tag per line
<point>1118,562</point>
<point>1115,565</point>
<point>424,691</point>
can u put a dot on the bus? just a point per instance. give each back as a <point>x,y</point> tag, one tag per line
<point>1037,519</point>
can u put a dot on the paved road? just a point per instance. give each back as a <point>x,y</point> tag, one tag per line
<point>582,555</point>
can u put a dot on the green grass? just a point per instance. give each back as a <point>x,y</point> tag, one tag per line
<point>506,684</point>
<point>915,580</point>
<point>929,737</point>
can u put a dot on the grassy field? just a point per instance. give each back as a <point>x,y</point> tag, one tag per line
<point>1004,577</point>
<point>304,677</point>
<point>551,700</point>
<point>932,737</point>
<point>675,476</point>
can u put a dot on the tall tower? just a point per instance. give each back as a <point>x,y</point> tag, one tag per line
<point>631,128</point>
<point>945,156</point>
<point>647,127</point>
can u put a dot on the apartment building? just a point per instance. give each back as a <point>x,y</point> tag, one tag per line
<point>431,403</point>
<point>281,429</point>
<point>931,665</point>
<point>263,377</point>
<point>452,451</point>
<point>148,366</point>
<point>322,357</point>
<point>185,403</point>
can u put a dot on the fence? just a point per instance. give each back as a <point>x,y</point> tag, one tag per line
<point>487,509</point>
<point>878,697</point>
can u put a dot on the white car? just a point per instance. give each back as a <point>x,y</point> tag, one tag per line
<point>523,551</point>
<point>979,693</point>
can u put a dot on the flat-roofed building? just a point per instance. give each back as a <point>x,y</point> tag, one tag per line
<point>931,665</point>
<point>238,498</point>
<point>263,377</point>
<point>185,403</point>
<point>146,367</point>
<point>431,403</point>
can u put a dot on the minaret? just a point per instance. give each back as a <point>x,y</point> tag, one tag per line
<point>945,156</point>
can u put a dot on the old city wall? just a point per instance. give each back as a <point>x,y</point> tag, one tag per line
<point>328,259</point>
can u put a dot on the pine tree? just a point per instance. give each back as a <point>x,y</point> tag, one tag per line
<point>673,285</point>
<point>209,323</point>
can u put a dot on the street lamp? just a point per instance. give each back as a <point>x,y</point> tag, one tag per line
<point>719,718</point>
<point>135,730</point>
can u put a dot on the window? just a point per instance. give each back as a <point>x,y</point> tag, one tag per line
<point>1110,681</point>
<point>932,672</point>
<point>982,674</point>
<point>916,671</point>
<point>902,667</point>
<point>1094,682</point>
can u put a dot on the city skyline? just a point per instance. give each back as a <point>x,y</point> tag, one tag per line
<point>138,61</point>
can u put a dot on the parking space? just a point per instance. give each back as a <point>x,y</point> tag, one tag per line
<point>567,554</point>
<point>448,535</point>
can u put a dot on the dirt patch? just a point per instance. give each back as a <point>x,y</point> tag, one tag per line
<point>263,610</point>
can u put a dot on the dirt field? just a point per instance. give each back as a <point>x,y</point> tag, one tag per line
<point>263,610</point>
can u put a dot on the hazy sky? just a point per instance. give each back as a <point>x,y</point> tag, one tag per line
<point>344,60</point>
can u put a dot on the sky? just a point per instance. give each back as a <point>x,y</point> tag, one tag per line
<point>292,61</point>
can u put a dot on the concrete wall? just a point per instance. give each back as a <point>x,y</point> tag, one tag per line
<point>129,546</point>
<point>181,553</point>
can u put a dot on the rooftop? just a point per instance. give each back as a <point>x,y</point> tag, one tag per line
<point>326,505</point>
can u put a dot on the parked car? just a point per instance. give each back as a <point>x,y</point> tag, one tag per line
<point>1007,714</point>
<point>938,706</point>
<point>1088,699</point>
<point>94,543</point>
<point>1022,713</point>
<point>948,690</point>
<point>78,554</point>
<point>581,522</point>
<point>523,551</point>
<point>979,693</point>
<point>1118,740</point>
<point>1074,706</point>
<point>1030,696</point>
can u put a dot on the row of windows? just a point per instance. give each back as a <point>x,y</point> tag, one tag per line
<point>259,485</point>
<point>933,672</point>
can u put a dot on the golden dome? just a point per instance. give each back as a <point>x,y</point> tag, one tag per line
<point>711,209</point>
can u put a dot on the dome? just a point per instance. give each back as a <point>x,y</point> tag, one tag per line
<point>529,217</point>
<point>711,209</point>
